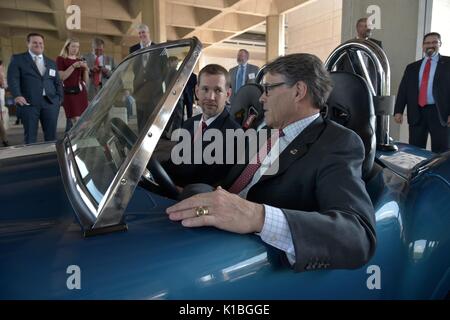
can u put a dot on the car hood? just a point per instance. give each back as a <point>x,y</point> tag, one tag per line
<point>31,189</point>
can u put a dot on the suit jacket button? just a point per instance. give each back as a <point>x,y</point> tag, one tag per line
<point>294,152</point>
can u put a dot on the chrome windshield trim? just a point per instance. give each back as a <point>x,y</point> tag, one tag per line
<point>109,212</point>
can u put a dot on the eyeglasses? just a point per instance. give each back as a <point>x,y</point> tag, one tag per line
<point>267,87</point>
<point>432,42</point>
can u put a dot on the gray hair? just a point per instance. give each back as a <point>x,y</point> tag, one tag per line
<point>307,68</point>
<point>142,27</point>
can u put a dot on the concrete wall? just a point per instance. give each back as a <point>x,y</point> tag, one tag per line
<point>315,28</point>
<point>402,28</point>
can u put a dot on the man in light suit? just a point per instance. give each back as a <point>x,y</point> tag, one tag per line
<point>36,87</point>
<point>314,209</point>
<point>100,67</point>
<point>424,89</point>
<point>243,73</point>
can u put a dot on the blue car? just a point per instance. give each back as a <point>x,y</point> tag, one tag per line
<point>84,218</point>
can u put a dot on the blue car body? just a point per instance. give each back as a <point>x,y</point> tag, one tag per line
<point>41,239</point>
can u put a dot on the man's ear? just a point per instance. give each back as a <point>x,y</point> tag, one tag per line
<point>196,90</point>
<point>301,91</point>
<point>229,91</point>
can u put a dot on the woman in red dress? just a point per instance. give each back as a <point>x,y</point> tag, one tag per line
<point>74,73</point>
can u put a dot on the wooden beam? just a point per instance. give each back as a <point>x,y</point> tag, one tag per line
<point>59,15</point>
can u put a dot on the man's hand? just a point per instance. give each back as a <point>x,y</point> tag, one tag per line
<point>21,101</point>
<point>105,71</point>
<point>398,117</point>
<point>226,211</point>
<point>84,65</point>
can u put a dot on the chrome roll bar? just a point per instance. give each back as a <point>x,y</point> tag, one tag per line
<point>358,54</point>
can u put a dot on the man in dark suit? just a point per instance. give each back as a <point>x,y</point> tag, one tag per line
<point>243,73</point>
<point>144,37</point>
<point>314,208</point>
<point>35,85</point>
<point>189,94</point>
<point>424,90</point>
<point>212,90</point>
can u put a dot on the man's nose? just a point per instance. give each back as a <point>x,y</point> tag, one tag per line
<point>262,97</point>
<point>211,95</point>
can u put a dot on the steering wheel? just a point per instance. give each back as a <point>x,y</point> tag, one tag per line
<point>123,132</point>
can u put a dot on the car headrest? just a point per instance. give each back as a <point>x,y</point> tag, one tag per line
<point>351,105</point>
<point>246,108</point>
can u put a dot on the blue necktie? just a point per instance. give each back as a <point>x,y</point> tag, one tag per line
<point>239,78</point>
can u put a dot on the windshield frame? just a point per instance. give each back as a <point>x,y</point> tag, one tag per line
<point>108,215</point>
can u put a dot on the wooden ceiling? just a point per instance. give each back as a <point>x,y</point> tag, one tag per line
<point>212,21</point>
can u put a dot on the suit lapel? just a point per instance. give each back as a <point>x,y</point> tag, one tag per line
<point>437,75</point>
<point>416,73</point>
<point>298,147</point>
<point>218,122</point>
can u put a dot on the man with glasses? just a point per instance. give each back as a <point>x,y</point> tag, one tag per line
<point>424,89</point>
<point>314,209</point>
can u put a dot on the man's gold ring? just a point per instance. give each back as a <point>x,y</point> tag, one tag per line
<point>201,211</point>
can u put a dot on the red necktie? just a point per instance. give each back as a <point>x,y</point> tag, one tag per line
<point>247,175</point>
<point>97,74</point>
<point>424,84</point>
<point>197,134</point>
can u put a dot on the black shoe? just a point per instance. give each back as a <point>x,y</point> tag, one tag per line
<point>5,144</point>
<point>17,122</point>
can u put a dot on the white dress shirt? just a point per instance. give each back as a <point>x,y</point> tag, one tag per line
<point>40,64</point>
<point>276,230</point>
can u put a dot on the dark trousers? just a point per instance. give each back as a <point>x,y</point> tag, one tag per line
<point>47,113</point>
<point>429,124</point>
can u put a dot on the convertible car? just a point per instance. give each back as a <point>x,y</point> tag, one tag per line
<point>84,218</point>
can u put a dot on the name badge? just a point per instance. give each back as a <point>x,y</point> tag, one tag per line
<point>251,76</point>
<point>52,72</point>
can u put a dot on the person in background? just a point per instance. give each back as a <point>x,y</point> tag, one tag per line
<point>100,67</point>
<point>189,95</point>
<point>3,86</point>
<point>243,73</point>
<point>36,87</point>
<point>129,102</point>
<point>364,31</point>
<point>424,89</point>
<point>74,73</point>
<point>144,37</point>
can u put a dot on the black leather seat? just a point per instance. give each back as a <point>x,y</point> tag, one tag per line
<point>246,106</point>
<point>351,105</point>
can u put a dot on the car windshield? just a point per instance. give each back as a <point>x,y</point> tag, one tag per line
<point>115,125</point>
